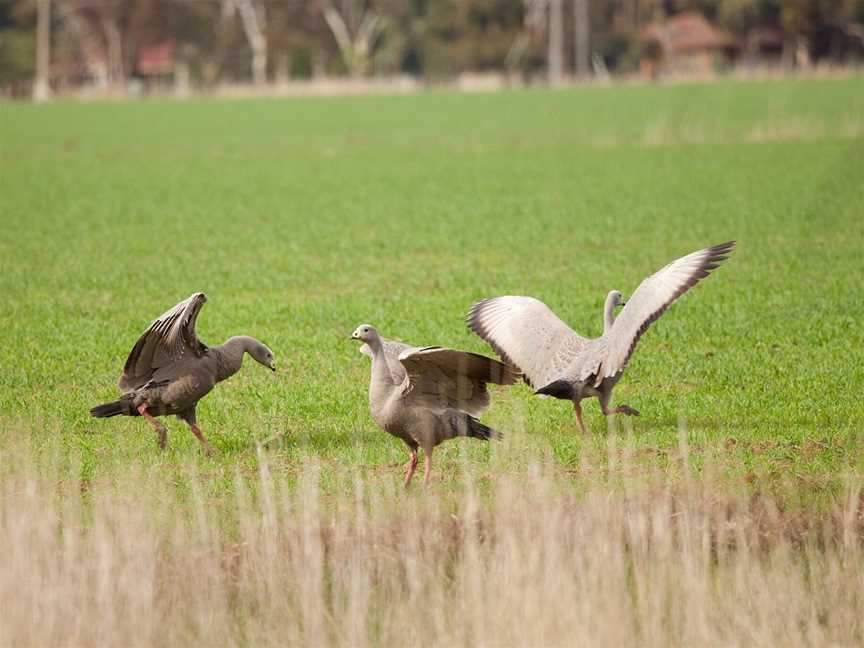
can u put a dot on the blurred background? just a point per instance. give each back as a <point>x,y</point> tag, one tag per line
<point>140,47</point>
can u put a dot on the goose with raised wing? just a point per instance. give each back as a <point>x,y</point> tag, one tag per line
<point>169,370</point>
<point>427,395</point>
<point>556,361</point>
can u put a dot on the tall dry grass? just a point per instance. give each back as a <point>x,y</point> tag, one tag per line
<point>644,561</point>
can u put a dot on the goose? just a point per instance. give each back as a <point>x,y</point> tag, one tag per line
<point>426,395</point>
<point>558,362</point>
<point>169,370</point>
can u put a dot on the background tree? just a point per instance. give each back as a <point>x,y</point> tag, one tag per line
<point>215,41</point>
<point>356,26</point>
<point>253,16</point>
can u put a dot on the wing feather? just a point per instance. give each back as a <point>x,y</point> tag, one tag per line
<point>652,298</point>
<point>527,335</point>
<point>169,338</point>
<point>440,377</point>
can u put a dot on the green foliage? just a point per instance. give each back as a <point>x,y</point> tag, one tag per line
<point>17,55</point>
<point>302,219</point>
<point>469,36</point>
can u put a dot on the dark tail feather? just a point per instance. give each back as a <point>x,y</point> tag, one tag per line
<point>477,430</point>
<point>558,389</point>
<point>110,409</point>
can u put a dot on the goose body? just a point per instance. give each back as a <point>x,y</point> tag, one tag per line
<point>426,395</point>
<point>556,361</point>
<point>169,370</point>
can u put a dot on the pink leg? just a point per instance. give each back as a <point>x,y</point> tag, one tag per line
<point>427,466</point>
<point>578,409</point>
<point>208,449</point>
<point>161,431</point>
<point>410,468</point>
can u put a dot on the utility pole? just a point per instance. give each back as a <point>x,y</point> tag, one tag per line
<point>41,85</point>
<point>555,54</point>
<point>581,39</point>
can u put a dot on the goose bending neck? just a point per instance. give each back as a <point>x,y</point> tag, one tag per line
<point>609,312</point>
<point>229,356</point>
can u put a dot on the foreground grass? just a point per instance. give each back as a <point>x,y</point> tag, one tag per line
<point>302,219</point>
<point>654,563</point>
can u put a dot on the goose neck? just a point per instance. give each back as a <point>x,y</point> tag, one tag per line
<point>608,314</point>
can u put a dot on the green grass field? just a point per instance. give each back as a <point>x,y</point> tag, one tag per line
<point>302,219</point>
<point>729,513</point>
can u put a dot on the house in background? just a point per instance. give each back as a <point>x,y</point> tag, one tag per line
<point>686,43</point>
<point>87,67</point>
<point>156,61</point>
<point>158,67</point>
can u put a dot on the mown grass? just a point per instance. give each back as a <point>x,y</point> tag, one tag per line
<point>303,218</point>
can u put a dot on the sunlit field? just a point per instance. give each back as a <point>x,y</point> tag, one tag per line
<point>729,512</point>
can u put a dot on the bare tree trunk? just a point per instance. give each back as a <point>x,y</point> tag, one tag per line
<point>340,32</point>
<point>41,85</point>
<point>555,56</point>
<point>802,53</point>
<point>283,68</point>
<point>253,20</point>
<point>532,23</point>
<point>114,41</point>
<point>214,68</point>
<point>356,50</point>
<point>581,39</point>
<point>181,78</point>
<point>82,30</point>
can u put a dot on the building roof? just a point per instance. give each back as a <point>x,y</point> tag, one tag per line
<point>686,33</point>
<point>157,58</point>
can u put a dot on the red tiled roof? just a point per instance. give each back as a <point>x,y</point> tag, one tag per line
<point>687,32</point>
<point>157,58</point>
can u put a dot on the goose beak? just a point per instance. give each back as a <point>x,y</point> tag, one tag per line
<point>273,366</point>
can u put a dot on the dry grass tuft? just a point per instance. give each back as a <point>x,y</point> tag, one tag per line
<point>644,562</point>
<point>663,132</point>
<point>781,130</point>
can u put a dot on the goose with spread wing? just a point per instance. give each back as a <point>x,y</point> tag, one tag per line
<point>559,362</point>
<point>427,395</point>
<point>169,370</point>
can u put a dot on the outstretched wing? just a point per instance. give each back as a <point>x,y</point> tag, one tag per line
<point>528,335</point>
<point>170,338</point>
<point>652,298</point>
<point>439,377</point>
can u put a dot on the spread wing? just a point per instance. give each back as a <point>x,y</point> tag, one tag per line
<point>439,377</point>
<point>170,338</point>
<point>652,298</point>
<point>528,335</point>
